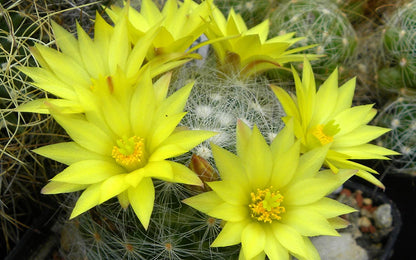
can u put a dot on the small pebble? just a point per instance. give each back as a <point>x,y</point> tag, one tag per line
<point>382,216</point>
<point>367,201</point>
<point>364,222</point>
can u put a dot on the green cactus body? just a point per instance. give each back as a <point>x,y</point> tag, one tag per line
<point>400,116</point>
<point>322,23</point>
<point>400,42</point>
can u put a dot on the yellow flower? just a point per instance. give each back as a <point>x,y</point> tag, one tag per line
<point>325,117</point>
<point>119,147</point>
<point>180,26</point>
<point>71,73</point>
<point>271,198</point>
<point>247,51</point>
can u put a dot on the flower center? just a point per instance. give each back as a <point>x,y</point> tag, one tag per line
<point>265,205</point>
<point>130,152</point>
<point>324,133</point>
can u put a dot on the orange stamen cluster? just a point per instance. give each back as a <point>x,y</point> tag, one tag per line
<point>129,152</point>
<point>265,205</point>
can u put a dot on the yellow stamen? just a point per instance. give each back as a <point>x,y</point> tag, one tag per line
<point>130,152</point>
<point>325,133</point>
<point>318,132</point>
<point>265,205</point>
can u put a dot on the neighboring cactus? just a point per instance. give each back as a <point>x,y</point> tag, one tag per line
<point>20,178</point>
<point>354,9</point>
<point>322,23</point>
<point>400,116</point>
<point>217,101</point>
<point>252,11</point>
<point>176,231</point>
<point>399,43</point>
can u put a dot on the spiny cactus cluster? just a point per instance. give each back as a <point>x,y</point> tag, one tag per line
<point>321,23</point>
<point>20,179</point>
<point>218,100</point>
<point>399,43</point>
<point>176,231</point>
<point>400,116</point>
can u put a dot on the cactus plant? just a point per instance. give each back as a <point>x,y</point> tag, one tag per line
<point>400,116</point>
<point>218,100</point>
<point>322,23</point>
<point>175,232</point>
<point>399,43</point>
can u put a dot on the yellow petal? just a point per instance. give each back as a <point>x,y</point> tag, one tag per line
<point>143,105</point>
<point>253,240</point>
<point>338,222</point>
<point>230,192</point>
<point>287,102</point>
<point>289,238</point>
<point>115,115</point>
<point>307,222</point>
<point>327,97</point>
<point>180,142</point>
<point>175,103</point>
<point>150,11</point>
<point>112,187</point>
<point>68,153</point>
<point>345,96</point>
<point>161,87</point>
<point>306,191</point>
<point>361,135</point>
<point>163,127</point>
<point>285,165</point>
<point>369,177</point>
<point>88,172</point>
<point>88,199</point>
<point>55,187</point>
<point>157,169</point>
<point>262,30</point>
<point>119,47</point>
<point>48,81</point>
<point>230,234</point>
<point>329,208</point>
<point>366,152</point>
<point>257,160</point>
<point>182,174</point>
<point>91,56</point>
<point>102,35</point>
<point>138,53</point>
<point>243,134</point>
<point>66,42</point>
<point>42,106</point>
<point>229,212</point>
<point>310,162</point>
<point>204,202</point>
<point>312,253</point>
<point>352,118</point>
<point>64,67</point>
<point>230,167</point>
<point>85,134</point>
<point>141,199</point>
<point>273,248</point>
<point>123,199</point>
